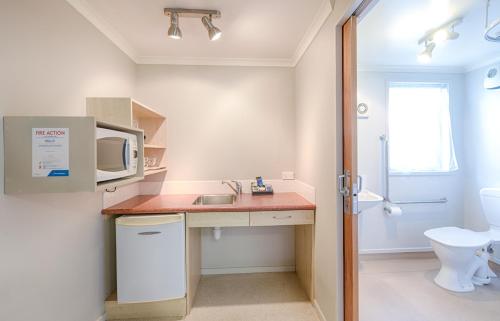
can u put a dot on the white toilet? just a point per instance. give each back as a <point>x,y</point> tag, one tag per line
<point>463,253</point>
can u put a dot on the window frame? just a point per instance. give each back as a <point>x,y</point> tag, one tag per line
<point>449,86</point>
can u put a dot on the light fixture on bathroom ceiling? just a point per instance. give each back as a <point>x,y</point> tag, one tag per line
<point>437,35</point>
<point>426,55</point>
<point>492,30</point>
<point>206,16</point>
<point>214,33</point>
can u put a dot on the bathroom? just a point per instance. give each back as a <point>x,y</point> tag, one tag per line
<point>427,144</point>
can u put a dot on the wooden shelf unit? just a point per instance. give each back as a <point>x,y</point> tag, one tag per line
<point>129,112</point>
<point>82,150</point>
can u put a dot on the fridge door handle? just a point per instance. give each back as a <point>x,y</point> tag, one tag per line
<point>149,233</point>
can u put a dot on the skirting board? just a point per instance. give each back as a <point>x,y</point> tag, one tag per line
<point>250,269</point>
<point>396,250</point>
<point>320,314</point>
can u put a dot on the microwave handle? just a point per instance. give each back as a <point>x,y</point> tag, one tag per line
<point>126,154</point>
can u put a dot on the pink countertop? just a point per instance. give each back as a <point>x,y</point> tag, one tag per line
<point>144,204</point>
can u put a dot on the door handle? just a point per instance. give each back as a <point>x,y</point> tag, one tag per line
<point>343,183</point>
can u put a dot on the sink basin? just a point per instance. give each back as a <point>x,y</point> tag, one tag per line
<point>367,199</point>
<point>216,199</point>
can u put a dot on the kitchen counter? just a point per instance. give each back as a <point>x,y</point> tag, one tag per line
<point>147,204</point>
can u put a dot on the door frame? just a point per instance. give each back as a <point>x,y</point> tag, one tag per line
<point>349,155</point>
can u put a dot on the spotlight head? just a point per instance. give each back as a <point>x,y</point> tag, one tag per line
<point>214,33</point>
<point>174,31</point>
<point>426,55</point>
<point>441,36</point>
<point>452,35</point>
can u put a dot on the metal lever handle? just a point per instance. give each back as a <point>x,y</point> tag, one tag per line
<point>360,183</point>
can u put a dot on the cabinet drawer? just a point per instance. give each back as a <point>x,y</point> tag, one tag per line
<point>281,218</point>
<point>220,219</point>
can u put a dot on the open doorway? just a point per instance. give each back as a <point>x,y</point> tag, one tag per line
<point>426,150</point>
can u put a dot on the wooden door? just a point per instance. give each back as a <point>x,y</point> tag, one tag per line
<point>349,117</point>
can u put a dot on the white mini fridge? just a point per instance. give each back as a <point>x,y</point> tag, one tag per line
<point>150,258</point>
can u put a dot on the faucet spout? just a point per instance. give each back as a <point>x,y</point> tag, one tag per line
<point>237,190</point>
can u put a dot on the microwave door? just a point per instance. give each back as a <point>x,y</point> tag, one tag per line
<point>112,156</point>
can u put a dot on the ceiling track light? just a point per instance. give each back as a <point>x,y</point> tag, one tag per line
<point>440,34</point>
<point>426,55</point>
<point>444,32</point>
<point>174,31</point>
<point>206,16</point>
<point>214,33</point>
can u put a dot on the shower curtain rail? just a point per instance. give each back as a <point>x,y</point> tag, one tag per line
<point>385,179</point>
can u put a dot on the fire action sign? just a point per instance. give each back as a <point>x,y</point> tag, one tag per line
<point>50,152</point>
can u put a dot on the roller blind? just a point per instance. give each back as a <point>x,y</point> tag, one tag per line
<point>419,125</point>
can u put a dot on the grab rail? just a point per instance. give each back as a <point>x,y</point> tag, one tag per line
<point>385,179</point>
<point>441,200</point>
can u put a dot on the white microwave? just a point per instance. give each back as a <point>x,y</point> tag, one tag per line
<point>117,154</point>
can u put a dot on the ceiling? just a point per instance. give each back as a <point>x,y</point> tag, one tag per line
<point>258,32</point>
<point>388,35</point>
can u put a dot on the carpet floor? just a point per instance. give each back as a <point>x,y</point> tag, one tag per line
<point>251,297</point>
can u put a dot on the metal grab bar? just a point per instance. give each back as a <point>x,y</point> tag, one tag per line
<point>439,201</point>
<point>385,179</point>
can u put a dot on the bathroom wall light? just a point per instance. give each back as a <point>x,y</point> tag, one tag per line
<point>206,16</point>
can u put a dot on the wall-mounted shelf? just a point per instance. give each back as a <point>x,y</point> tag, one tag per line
<point>154,170</point>
<point>130,112</point>
<point>20,170</point>
<point>150,146</point>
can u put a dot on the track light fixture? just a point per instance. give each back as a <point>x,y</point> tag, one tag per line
<point>214,33</point>
<point>426,55</point>
<point>437,35</point>
<point>206,16</point>
<point>174,31</point>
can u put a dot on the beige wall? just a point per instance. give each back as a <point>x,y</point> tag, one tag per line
<point>223,122</point>
<point>54,264</point>
<point>319,153</point>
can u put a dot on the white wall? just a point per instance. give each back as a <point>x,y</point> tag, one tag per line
<point>55,263</point>
<point>377,231</point>
<point>227,123</point>
<point>482,144</point>
<point>317,157</point>
<point>223,122</point>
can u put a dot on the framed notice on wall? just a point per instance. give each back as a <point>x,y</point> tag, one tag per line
<point>50,152</point>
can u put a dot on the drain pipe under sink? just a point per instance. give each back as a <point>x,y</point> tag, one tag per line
<point>217,231</point>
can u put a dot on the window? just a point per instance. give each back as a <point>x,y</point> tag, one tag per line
<point>420,138</point>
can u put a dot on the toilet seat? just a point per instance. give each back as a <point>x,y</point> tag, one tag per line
<point>458,237</point>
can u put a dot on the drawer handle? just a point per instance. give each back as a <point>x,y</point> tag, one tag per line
<point>149,233</point>
<point>282,217</point>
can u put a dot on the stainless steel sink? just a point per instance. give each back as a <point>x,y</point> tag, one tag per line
<point>215,199</point>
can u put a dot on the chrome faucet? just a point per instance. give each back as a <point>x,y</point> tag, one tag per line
<point>237,189</point>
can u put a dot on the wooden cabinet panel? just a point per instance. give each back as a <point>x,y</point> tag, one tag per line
<point>281,218</point>
<point>218,219</point>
